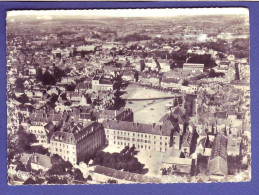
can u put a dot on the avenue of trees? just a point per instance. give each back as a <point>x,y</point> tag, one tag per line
<point>125,160</point>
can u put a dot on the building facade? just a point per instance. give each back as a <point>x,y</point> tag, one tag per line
<point>150,137</point>
<point>75,146</point>
<point>193,67</point>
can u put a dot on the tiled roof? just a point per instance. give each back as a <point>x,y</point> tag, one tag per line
<point>221,114</point>
<point>187,138</point>
<point>42,160</point>
<point>138,127</point>
<point>219,148</point>
<point>217,166</point>
<point>170,80</point>
<point>127,176</point>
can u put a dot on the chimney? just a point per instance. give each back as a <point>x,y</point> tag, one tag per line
<point>153,125</point>
<point>35,158</point>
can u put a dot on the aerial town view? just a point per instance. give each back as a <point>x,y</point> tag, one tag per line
<point>128,96</point>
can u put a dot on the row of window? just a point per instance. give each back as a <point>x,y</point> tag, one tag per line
<point>35,131</point>
<point>60,150</point>
<point>61,145</point>
<point>133,139</point>
<point>137,146</point>
<point>133,134</point>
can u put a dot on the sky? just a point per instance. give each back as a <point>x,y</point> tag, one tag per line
<point>164,12</point>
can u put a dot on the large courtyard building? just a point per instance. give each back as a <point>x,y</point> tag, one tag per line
<point>150,137</point>
<point>75,145</point>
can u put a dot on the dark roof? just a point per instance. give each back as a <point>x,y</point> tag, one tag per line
<point>219,147</point>
<point>86,116</point>
<point>138,127</point>
<point>217,166</point>
<point>49,126</point>
<point>170,80</point>
<point>106,81</point>
<point>127,176</point>
<point>178,111</point>
<point>221,114</point>
<point>187,139</point>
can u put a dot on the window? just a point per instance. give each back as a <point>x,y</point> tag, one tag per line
<point>145,136</point>
<point>154,142</point>
<point>160,143</point>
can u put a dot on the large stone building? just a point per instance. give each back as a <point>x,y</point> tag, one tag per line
<point>74,145</point>
<point>102,84</point>
<point>193,67</point>
<point>150,137</point>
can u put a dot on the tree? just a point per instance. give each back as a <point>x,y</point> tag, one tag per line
<point>48,79</point>
<point>78,175</point>
<point>39,75</point>
<point>20,166</point>
<point>89,178</point>
<point>30,181</point>
<point>19,83</point>
<point>57,180</point>
<point>205,59</point>
<point>23,99</point>
<point>59,73</point>
<point>57,169</point>
<point>40,150</point>
<point>185,82</point>
<point>213,74</point>
<point>10,155</point>
<point>24,141</point>
<point>112,181</point>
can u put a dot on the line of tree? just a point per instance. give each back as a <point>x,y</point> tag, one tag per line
<point>47,78</point>
<point>125,160</point>
<point>133,37</point>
